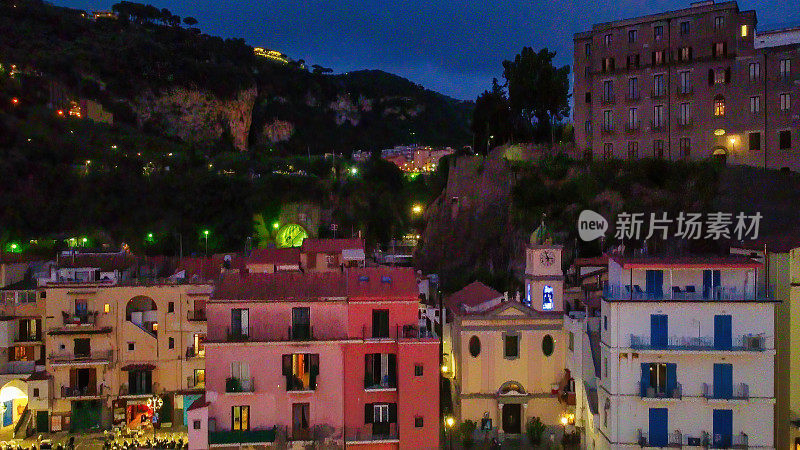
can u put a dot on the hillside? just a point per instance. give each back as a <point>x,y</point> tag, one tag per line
<point>173,81</point>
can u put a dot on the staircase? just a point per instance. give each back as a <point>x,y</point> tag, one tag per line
<point>23,427</point>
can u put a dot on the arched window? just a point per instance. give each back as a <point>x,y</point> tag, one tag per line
<point>547,345</point>
<point>474,346</point>
<point>719,105</point>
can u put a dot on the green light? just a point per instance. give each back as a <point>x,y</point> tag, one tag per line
<point>85,240</point>
<point>14,247</point>
<point>205,232</point>
<point>354,170</point>
<point>150,235</point>
<point>276,225</point>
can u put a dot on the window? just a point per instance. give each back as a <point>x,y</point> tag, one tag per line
<point>685,146</point>
<point>633,150</point>
<point>719,75</point>
<point>719,22</point>
<point>240,323</point>
<point>140,382</point>
<point>755,141</point>
<point>754,72</point>
<point>658,377</point>
<point>786,69</point>
<point>301,414</point>
<point>240,378</point>
<point>608,91</point>
<point>380,371</point>
<point>240,418</point>
<point>199,378</point>
<point>301,371</point>
<point>786,101</point>
<point>587,49</point>
<point>632,61</point>
<point>131,346</point>
<point>658,116</point>
<point>607,121</point>
<point>684,114</point>
<point>587,97</point>
<point>547,298</point>
<point>571,341</point>
<point>605,367</point>
<point>755,104</point>
<point>685,54</point>
<point>658,85</point>
<point>35,392</point>
<point>658,32</point>
<point>106,308</point>
<point>474,346</point>
<point>511,346</point>
<point>301,323</point>
<point>785,140</point>
<point>633,118</point>
<point>745,30</point>
<point>632,35</point>
<point>587,71</point>
<point>633,88</point>
<point>418,370</point>
<point>380,323</point>
<point>171,343</point>
<point>588,126</point>
<point>658,148</point>
<point>684,83</point>
<point>196,424</point>
<point>21,353</point>
<point>607,40</point>
<point>685,28</point>
<point>719,49</point>
<point>548,345</point>
<point>607,65</point>
<point>605,322</point>
<point>659,57</point>
<point>171,307</point>
<point>719,105</point>
<point>418,422</point>
<point>608,151</point>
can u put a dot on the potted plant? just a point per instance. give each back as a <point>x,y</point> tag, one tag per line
<point>233,385</point>
<point>467,429</point>
<point>535,429</point>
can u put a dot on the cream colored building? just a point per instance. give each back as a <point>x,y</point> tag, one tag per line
<point>508,357</point>
<point>111,347</point>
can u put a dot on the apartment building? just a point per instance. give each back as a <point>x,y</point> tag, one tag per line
<point>318,357</point>
<point>687,350</point>
<point>689,84</point>
<point>112,346</point>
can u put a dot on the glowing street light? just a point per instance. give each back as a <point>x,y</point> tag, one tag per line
<point>276,225</point>
<point>416,209</point>
<point>354,171</point>
<point>449,422</point>
<point>205,234</point>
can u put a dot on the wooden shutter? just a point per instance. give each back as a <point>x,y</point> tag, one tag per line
<point>287,365</point>
<point>369,412</point>
<point>728,75</point>
<point>392,412</point>
<point>392,369</point>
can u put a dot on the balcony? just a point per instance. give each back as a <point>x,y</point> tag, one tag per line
<point>82,391</point>
<point>29,339</point>
<point>397,332</point>
<point>687,293</point>
<point>87,318</point>
<point>787,79</point>
<point>658,125</point>
<point>747,343</point>
<point>62,359</point>
<point>633,97</point>
<point>237,335</point>
<point>673,440</point>
<point>740,441</point>
<point>197,315</point>
<point>649,392</point>
<point>259,436</point>
<point>301,333</point>
<point>685,123</point>
<point>684,91</point>
<point>658,93</point>
<point>608,99</point>
<point>192,352</point>
<point>740,391</point>
<point>240,385</point>
<point>607,129</point>
<point>632,126</point>
<point>376,432</point>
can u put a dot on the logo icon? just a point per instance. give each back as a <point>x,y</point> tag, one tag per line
<point>591,225</point>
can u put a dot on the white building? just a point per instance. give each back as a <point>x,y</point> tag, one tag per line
<point>687,354</point>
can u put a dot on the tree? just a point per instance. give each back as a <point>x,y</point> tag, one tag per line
<point>190,21</point>
<point>491,117</point>
<point>537,90</point>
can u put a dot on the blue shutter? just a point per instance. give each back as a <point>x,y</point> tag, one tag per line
<point>672,378</point>
<point>645,379</point>
<point>658,427</point>
<point>658,331</point>
<point>723,428</point>
<point>723,381</point>
<point>658,279</point>
<point>722,332</point>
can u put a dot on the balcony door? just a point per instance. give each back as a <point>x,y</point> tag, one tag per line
<point>722,332</point>
<point>301,323</point>
<point>723,428</point>
<point>659,418</point>
<point>723,380</point>
<point>83,381</point>
<point>711,281</point>
<point>240,322</point>
<point>658,331</point>
<point>658,379</point>
<point>300,421</point>
<point>654,283</point>
<point>380,323</point>
<point>81,308</point>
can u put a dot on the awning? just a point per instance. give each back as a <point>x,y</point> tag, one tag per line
<point>130,367</point>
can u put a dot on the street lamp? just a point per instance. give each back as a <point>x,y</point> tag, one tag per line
<point>416,209</point>
<point>155,403</point>
<point>488,140</point>
<point>205,234</point>
<point>354,171</point>
<point>449,422</point>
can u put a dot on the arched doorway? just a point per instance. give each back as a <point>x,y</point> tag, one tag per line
<point>13,401</point>
<point>512,396</point>
<point>142,311</point>
<point>720,155</point>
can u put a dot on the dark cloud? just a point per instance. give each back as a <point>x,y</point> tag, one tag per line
<point>454,47</point>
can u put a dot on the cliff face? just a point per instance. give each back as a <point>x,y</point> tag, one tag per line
<point>196,116</point>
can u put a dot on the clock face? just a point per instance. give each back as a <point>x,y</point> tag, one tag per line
<point>290,235</point>
<point>547,258</point>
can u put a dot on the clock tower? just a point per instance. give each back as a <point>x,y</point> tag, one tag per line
<point>544,280</point>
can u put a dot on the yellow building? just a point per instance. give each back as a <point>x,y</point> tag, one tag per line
<point>110,347</point>
<point>509,354</point>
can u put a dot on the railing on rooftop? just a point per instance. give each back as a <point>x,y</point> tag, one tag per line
<point>382,431</point>
<point>242,437</point>
<point>84,318</point>
<point>100,356</point>
<point>234,384</point>
<point>397,332</point>
<point>749,342</point>
<point>79,391</point>
<point>686,293</point>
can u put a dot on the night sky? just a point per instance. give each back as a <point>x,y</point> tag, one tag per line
<point>455,47</point>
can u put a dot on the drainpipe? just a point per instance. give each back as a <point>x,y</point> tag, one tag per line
<point>766,106</point>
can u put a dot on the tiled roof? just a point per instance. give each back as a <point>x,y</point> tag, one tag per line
<point>330,245</point>
<point>356,283</point>
<point>38,376</point>
<point>277,256</point>
<point>199,403</point>
<point>692,261</point>
<point>471,295</point>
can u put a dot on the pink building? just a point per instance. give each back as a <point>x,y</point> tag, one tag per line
<point>331,357</point>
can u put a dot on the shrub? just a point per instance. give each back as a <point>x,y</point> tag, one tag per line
<point>535,429</point>
<point>466,429</point>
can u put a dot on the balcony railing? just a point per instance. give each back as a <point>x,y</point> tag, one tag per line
<point>685,123</point>
<point>197,315</point>
<point>633,96</point>
<point>242,437</point>
<point>658,125</point>
<point>19,367</point>
<point>87,318</point>
<point>686,293</point>
<point>301,333</point>
<point>81,358</point>
<point>607,129</point>
<point>28,338</point>
<point>237,335</point>
<point>397,332</point>
<point>632,126</point>
<point>234,384</point>
<point>682,91</point>
<point>740,440</point>
<point>647,391</point>
<point>658,93</point>
<point>752,343</point>
<point>740,391</point>
<point>192,352</point>
<point>372,432</point>
<point>84,391</point>
<point>608,99</point>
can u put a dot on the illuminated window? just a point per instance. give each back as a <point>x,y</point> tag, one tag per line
<point>240,416</point>
<point>547,298</point>
<point>106,308</point>
<point>744,31</point>
<point>719,105</point>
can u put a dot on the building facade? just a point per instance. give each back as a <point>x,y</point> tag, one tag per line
<point>689,84</point>
<point>687,354</point>
<point>334,357</point>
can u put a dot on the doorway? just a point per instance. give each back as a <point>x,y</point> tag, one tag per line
<point>512,418</point>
